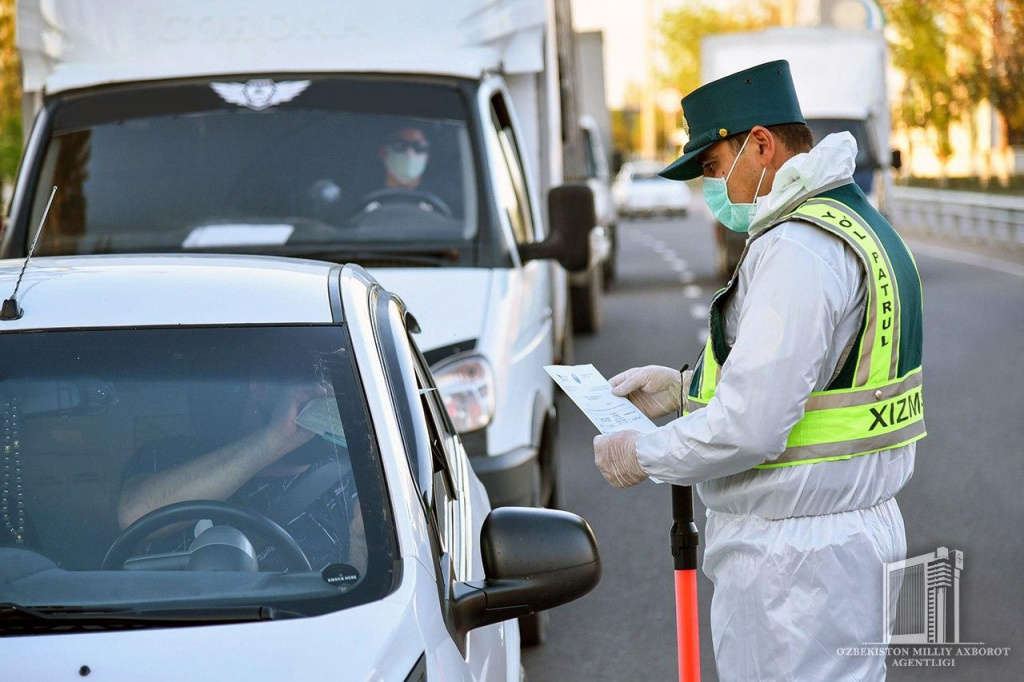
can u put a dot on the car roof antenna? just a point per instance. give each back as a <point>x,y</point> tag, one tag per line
<point>11,310</point>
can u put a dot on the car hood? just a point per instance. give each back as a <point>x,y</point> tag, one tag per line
<point>373,641</point>
<point>449,303</point>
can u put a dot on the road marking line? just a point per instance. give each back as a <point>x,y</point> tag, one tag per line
<point>987,262</point>
<point>692,291</point>
<point>699,311</point>
<point>702,336</point>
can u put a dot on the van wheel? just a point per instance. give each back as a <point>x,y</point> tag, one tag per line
<point>610,265</point>
<point>533,629</point>
<point>549,462</point>
<point>586,303</point>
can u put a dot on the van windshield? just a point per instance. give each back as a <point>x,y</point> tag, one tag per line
<point>287,166</point>
<point>866,162</point>
<point>188,469</point>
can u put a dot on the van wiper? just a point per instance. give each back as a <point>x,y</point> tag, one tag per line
<point>429,257</point>
<point>16,619</point>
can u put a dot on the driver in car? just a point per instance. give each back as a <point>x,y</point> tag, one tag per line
<point>255,467</point>
<point>405,153</point>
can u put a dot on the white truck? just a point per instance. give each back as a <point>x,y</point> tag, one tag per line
<point>856,101</point>
<point>418,139</point>
<point>595,126</point>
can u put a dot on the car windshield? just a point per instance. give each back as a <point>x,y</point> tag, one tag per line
<point>193,469</point>
<point>284,166</point>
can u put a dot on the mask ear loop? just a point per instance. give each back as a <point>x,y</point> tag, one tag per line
<point>757,192</point>
<point>738,155</point>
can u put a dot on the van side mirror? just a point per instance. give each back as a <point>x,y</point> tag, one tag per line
<point>571,217</point>
<point>897,159</point>
<point>534,559</point>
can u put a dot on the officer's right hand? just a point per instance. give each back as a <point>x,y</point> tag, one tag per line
<point>653,389</point>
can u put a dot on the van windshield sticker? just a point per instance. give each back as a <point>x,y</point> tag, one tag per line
<point>218,236</point>
<point>259,93</point>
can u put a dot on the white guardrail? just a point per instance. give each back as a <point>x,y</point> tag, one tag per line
<point>973,217</point>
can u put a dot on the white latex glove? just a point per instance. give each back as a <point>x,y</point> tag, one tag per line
<point>653,389</point>
<point>615,457</point>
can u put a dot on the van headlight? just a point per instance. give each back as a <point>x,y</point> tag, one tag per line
<point>467,386</point>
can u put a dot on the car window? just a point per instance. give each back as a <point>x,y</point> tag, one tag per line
<point>509,175</point>
<point>107,427</point>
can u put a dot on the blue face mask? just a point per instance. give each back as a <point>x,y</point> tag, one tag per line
<point>736,217</point>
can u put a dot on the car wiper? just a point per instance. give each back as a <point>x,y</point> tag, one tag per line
<point>17,619</point>
<point>426,257</point>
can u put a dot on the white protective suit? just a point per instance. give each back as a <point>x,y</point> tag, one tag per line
<point>795,553</point>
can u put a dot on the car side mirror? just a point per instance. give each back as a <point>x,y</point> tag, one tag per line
<point>571,216</point>
<point>897,159</point>
<point>534,559</point>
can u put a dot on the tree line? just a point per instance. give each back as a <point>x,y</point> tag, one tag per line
<point>953,54</point>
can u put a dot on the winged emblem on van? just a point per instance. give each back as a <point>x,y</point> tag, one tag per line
<point>259,93</point>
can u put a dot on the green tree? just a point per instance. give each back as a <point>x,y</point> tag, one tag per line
<point>1007,72</point>
<point>10,96</point>
<point>682,29</point>
<point>920,49</point>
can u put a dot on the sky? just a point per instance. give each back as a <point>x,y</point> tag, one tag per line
<point>624,23</point>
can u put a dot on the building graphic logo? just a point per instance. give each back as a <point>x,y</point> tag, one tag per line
<point>921,598</point>
<point>921,610</point>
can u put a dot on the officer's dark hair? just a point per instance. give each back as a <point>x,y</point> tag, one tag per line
<point>796,137</point>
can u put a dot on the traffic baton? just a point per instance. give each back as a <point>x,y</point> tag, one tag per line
<point>684,555</point>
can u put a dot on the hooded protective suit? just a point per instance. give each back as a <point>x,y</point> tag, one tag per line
<point>795,553</point>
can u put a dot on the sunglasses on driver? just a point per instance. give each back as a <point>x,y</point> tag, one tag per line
<point>418,146</point>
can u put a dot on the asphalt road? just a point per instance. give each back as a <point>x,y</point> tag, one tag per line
<point>966,493</point>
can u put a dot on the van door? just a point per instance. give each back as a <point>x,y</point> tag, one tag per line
<point>531,283</point>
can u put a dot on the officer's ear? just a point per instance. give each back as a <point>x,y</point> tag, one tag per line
<point>764,143</point>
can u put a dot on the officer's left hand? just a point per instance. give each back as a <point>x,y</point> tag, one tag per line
<point>615,456</point>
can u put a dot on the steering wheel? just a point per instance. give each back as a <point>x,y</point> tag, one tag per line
<point>245,520</point>
<point>397,195</point>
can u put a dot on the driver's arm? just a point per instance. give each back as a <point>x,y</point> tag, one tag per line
<point>218,474</point>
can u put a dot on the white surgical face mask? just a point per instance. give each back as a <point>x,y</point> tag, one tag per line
<point>736,217</point>
<point>405,166</point>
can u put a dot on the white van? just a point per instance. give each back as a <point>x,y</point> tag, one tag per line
<point>382,135</point>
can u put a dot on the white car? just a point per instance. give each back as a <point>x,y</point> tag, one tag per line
<point>639,190</point>
<point>240,468</point>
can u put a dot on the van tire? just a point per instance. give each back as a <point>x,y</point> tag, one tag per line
<point>533,629</point>
<point>610,265</point>
<point>586,303</point>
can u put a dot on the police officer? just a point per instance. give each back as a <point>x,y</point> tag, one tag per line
<point>800,418</point>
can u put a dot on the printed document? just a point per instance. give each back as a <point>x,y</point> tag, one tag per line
<point>322,418</point>
<point>592,394</point>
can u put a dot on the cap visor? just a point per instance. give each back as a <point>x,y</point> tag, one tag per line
<point>686,167</point>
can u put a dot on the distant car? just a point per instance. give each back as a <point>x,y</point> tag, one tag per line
<point>639,190</point>
<point>257,445</point>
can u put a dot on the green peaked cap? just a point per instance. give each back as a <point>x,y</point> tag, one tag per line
<point>762,95</point>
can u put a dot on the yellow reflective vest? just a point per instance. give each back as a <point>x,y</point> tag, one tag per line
<point>875,401</point>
